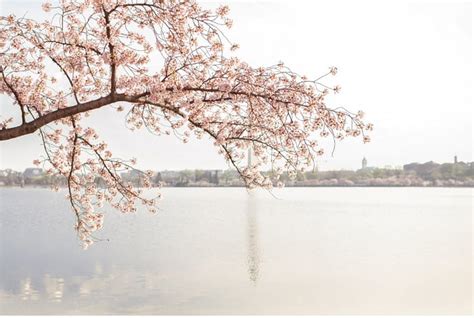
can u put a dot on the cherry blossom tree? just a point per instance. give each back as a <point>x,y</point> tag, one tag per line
<point>163,64</point>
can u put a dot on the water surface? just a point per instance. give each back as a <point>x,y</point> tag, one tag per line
<point>225,251</point>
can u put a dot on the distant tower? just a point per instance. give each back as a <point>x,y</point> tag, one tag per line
<point>455,159</point>
<point>250,158</point>
<point>364,163</point>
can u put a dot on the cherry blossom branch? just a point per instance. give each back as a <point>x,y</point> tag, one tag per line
<point>165,61</point>
<point>32,126</point>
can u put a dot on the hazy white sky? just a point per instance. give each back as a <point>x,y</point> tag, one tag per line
<point>407,64</point>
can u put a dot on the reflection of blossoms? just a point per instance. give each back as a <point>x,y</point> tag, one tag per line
<point>104,59</point>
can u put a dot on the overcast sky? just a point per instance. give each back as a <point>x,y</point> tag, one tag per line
<point>407,64</point>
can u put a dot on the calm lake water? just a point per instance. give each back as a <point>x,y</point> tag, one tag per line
<point>225,251</point>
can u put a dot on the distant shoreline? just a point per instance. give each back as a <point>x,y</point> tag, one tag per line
<point>286,186</point>
<point>428,174</point>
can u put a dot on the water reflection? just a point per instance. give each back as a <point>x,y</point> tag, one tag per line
<point>27,290</point>
<point>52,295</point>
<point>51,288</point>
<point>253,257</point>
<point>54,288</point>
<point>373,252</point>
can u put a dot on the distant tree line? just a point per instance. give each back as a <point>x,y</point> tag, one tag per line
<point>413,174</point>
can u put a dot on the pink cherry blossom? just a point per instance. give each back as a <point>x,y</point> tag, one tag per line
<point>101,53</point>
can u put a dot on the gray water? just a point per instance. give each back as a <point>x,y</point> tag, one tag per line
<point>225,251</point>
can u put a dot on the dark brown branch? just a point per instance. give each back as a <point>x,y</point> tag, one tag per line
<point>32,126</point>
<point>75,45</point>
<point>111,51</point>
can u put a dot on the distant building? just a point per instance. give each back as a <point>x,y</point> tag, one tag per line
<point>170,177</point>
<point>32,172</point>
<point>364,163</point>
<point>455,159</point>
<point>31,175</point>
<point>131,175</point>
<point>215,178</point>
